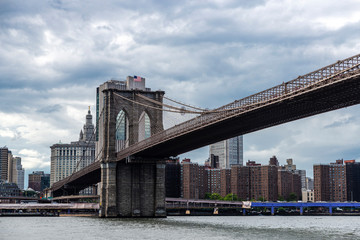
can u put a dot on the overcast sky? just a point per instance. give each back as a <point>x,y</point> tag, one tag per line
<point>55,53</point>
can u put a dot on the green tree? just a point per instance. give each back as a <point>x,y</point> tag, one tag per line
<point>261,199</point>
<point>292,197</point>
<point>231,197</point>
<point>215,196</point>
<point>207,195</point>
<point>281,198</point>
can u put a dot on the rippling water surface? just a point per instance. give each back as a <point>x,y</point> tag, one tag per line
<point>187,227</point>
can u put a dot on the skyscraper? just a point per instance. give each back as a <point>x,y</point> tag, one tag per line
<point>4,163</point>
<point>15,171</point>
<point>229,152</point>
<point>66,158</point>
<point>10,168</point>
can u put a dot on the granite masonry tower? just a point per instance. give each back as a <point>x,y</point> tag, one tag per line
<point>135,186</point>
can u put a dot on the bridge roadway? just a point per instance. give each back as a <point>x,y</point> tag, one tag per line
<point>180,203</point>
<point>193,204</point>
<point>333,87</point>
<point>49,206</point>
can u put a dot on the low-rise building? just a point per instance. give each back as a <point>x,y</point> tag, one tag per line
<point>308,196</point>
<point>9,189</point>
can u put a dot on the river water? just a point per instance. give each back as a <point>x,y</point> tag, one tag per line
<point>186,227</point>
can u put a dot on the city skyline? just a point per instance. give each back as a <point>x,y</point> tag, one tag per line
<point>54,56</point>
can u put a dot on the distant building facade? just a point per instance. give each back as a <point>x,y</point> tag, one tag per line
<point>308,196</point>
<point>68,158</point>
<point>38,181</point>
<point>229,152</point>
<point>225,182</point>
<point>353,180</point>
<point>250,182</point>
<point>254,182</point>
<point>330,182</point>
<point>8,189</point>
<point>10,168</point>
<point>16,172</point>
<point>194,180</point>
<point>213,180</point>
<point>4,163</point>
<point>309,183</point>
<point>173,179</point>
<point>290,166</point>
<point>289,182</point>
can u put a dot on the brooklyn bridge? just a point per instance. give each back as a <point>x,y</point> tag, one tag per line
<point>133,145</point>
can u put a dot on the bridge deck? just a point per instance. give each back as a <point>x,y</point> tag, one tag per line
<point>49,206</point>
<point>333,87</point>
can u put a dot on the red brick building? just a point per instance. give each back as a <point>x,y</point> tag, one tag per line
<point>321,183</point>
<point>254,182</point>
<point>225,182</point>
<point>269,182</point>
<point>194,180</point>
<point>289,182</point>
<point>213,180</point>
<point>330,182</point>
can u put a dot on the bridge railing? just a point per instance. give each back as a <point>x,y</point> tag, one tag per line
<point>326,74</point>
<point>340,67</point>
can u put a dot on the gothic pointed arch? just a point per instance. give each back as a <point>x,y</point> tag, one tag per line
<point>122,130</point>
<point>144,126</point>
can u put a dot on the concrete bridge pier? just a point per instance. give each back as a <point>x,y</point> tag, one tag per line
<point>133,189</point>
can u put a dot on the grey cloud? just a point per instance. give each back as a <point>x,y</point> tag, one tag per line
<point>50,109</point>
<point>341,122</point>
<point>207,49</point>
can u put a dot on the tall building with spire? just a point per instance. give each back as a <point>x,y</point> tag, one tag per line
<point>67,158</point>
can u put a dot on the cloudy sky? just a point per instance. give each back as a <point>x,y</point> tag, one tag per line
<point>55,53</point>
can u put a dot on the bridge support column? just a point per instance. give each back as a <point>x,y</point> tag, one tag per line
<point>301,211</point>
<point>330,211</point>
<point>272,211</point>
<point>108,207</point>
<point>141,188</point>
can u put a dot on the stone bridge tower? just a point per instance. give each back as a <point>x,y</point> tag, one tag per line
<point>133,188</point>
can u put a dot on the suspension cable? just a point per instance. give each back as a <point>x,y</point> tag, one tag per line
<point>219,110</point>
<point>160,103</point>
<point>183,104</point>
<point>156,108</point>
